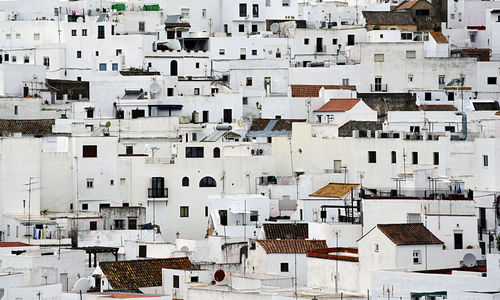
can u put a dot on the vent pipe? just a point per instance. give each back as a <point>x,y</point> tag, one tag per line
<point>463,136</point>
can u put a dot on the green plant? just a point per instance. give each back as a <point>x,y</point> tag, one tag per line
<point>470,247</point>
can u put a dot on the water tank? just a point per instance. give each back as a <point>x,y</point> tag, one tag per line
<point>195,117</point>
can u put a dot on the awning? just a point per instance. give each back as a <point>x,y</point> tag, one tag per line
<point>423,294</point>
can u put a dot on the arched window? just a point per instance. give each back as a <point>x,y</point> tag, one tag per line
<point>173,68</point>
<point>208,182</point>
<point>216,152</point>
<point>185,181</point>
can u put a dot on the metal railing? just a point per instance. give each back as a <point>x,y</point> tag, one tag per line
<point>378,87</point>
<point>157,193</point>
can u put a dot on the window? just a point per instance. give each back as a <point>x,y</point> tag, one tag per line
<point>417,259</point>
<point>435,158</point>
<point>306,41</point>
<point>451,96</point>
<point>89,151</point>
<point>334,41</point>
<point>14,58</point>
<point>184,211</point>
<point>415,129</point>
<point>114,67</point>
<point>449,128</point>
<point>119,224</point>
<point>241,28</point>
<point>222,51</point>
<point>485,160</point>
<point>84,32</point>
<point>78,54</point>
<point>345,81</point>
<point>18,35</point>
<point>100,32</point>
<point>441,81</point>
<point>492,80</point>
<point>381,36</point>
<point>206,211</point>
<point>208,182</point>
<point>255,28</point>
<point>393,157</point>
<point>413,218</point>
<point>185,181</point>
<point>194,152</point>
<point>428,96</point>
<point>36,36</point>
<point>414,158</point>
<point>411,54</point>
<point>243,10</point>
<point>196,91</point>
<point>7,36</point>
<point>6,57</point>
<point>197,65</point>
<point>376,248</point>
<point>254,52</point>
<point>378,57</point>
<point>452,16</point>
<point>350,40</point>
<point>216,152</point>
<point>406,36</point>
<point>8,230</point>
<point>46,61</point>
<point>410,78</point>
<point>284,267</point>
<point>285,3</point>
<point>118,52</point>
<point>142,250</point>
<point>422,12</point>
<point>26,59</point>
<point>194,278</point>
<point>173,68</point>
<point>175,281</point>
<point>97,53</point>
<point>254,216</point>
<point>85,206</point>
<point>337,166</point>
<point>249,81</point>
<point>170,92</point>
<point>372,157</point>
<point>90,183</point>
<point>185,12</point>
<point>255,10</point>
<point>142,26</point>
<point>129,150</point>
<point>458,238</point>
<point>102,67</point>
<point>245,100</point>
<point>15,109</point>
<point>204,13</point>
<point>73,32</point>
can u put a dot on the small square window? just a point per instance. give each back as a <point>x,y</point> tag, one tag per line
<point>85,206</point>
<point>284,267</point>
<point>410,78</point>
<point>26,59</point>
<point>73,32</point>
<point>492,80</point>
<point>411,54</point>
<point>114,67</point>
<point>249,81</point>
<point>196,91</point>
<point>451,96</point>
<point>372,157</point>
<point>306,41</point>
<point>102,67</point>
<point>78,54</point>
<point>97,53</point>
<point>90,183</point>
<point>197,65</point>
<point>184,211</point>
<point>245,100</point>
<point>185,12</point>
<point>36,36</point>
<point>129,150</point>
<point>241,28</point>
<point>222,51</point>
<point>334,41</point>
<point>254,52</point>
<point>485,160</point>
<point>255,28</point>
<point>118,52</point>
<point>428,96</point>
<point>378,57</point>
<point>417,258</point>
<point>84,32</point>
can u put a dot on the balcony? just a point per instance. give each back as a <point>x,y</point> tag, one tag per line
<point>378,87</point>
<point>157,193</point>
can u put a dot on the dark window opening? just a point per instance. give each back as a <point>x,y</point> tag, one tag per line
<point>194,152</point>
<point>372,157</point>
<point>208,182</point>
<point>142,250</point>
<point>185,181</point>
<point>216,152</point>
<point>89,151</point>
<point>284,267</point>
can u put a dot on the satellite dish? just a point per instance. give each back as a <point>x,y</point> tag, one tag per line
<point>275,28</point>
<point>79,20</point>
<point>469,260</point>
<point>82,285</point>
<point>154,88</point>
<point>219,275</point>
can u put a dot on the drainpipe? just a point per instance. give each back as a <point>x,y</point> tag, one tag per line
<point>463,136</point>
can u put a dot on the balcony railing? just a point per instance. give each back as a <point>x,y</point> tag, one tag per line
<point>378,87</point>
<point>157,193</point>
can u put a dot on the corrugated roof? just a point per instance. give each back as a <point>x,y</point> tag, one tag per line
<point>439,37</point>
<point>31,127</point>
<point>409,234</point>
<point>305,91</point>
<point>336,190</point>
<point>406,5</point>
<point>133,274</point>
<point>388,18</point>
<point>338,105</point>
<point>271,127</point>
<point>440,107</point>
<point>291,246</point>
<point>286,230</point>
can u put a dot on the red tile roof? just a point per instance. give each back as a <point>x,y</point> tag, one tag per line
<point>290,246</point>
<point>14,244</point>
<point>409,234</point>
<point>335,253</point>
<point>133,274</point>
<point>439,107</point>
<point>406,5</point>
<point>439,37</point>
<point>313,90</point>
<point>338,105</point>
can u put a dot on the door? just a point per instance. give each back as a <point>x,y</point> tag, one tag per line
<point>228,115</point>
<point>205,116</point>
<point>173,68</point>
<point>223,217</point>
<point>132,224</point>
<point>378,84</point>
<point>319,44</point>
<point>458,236</point>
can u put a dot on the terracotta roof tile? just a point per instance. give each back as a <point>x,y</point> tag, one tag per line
<point>338,105</point>
<point>336,190</point>
<point>286,230</point>
<point>304,91</point>
<point>440,107</point>
<point>132,274</point>
<point>14,244</point>
<point>439,37</point>
<point>409,234</point>
<point>406,5</point>
<point>31,127</point>
<point>290,246</point>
